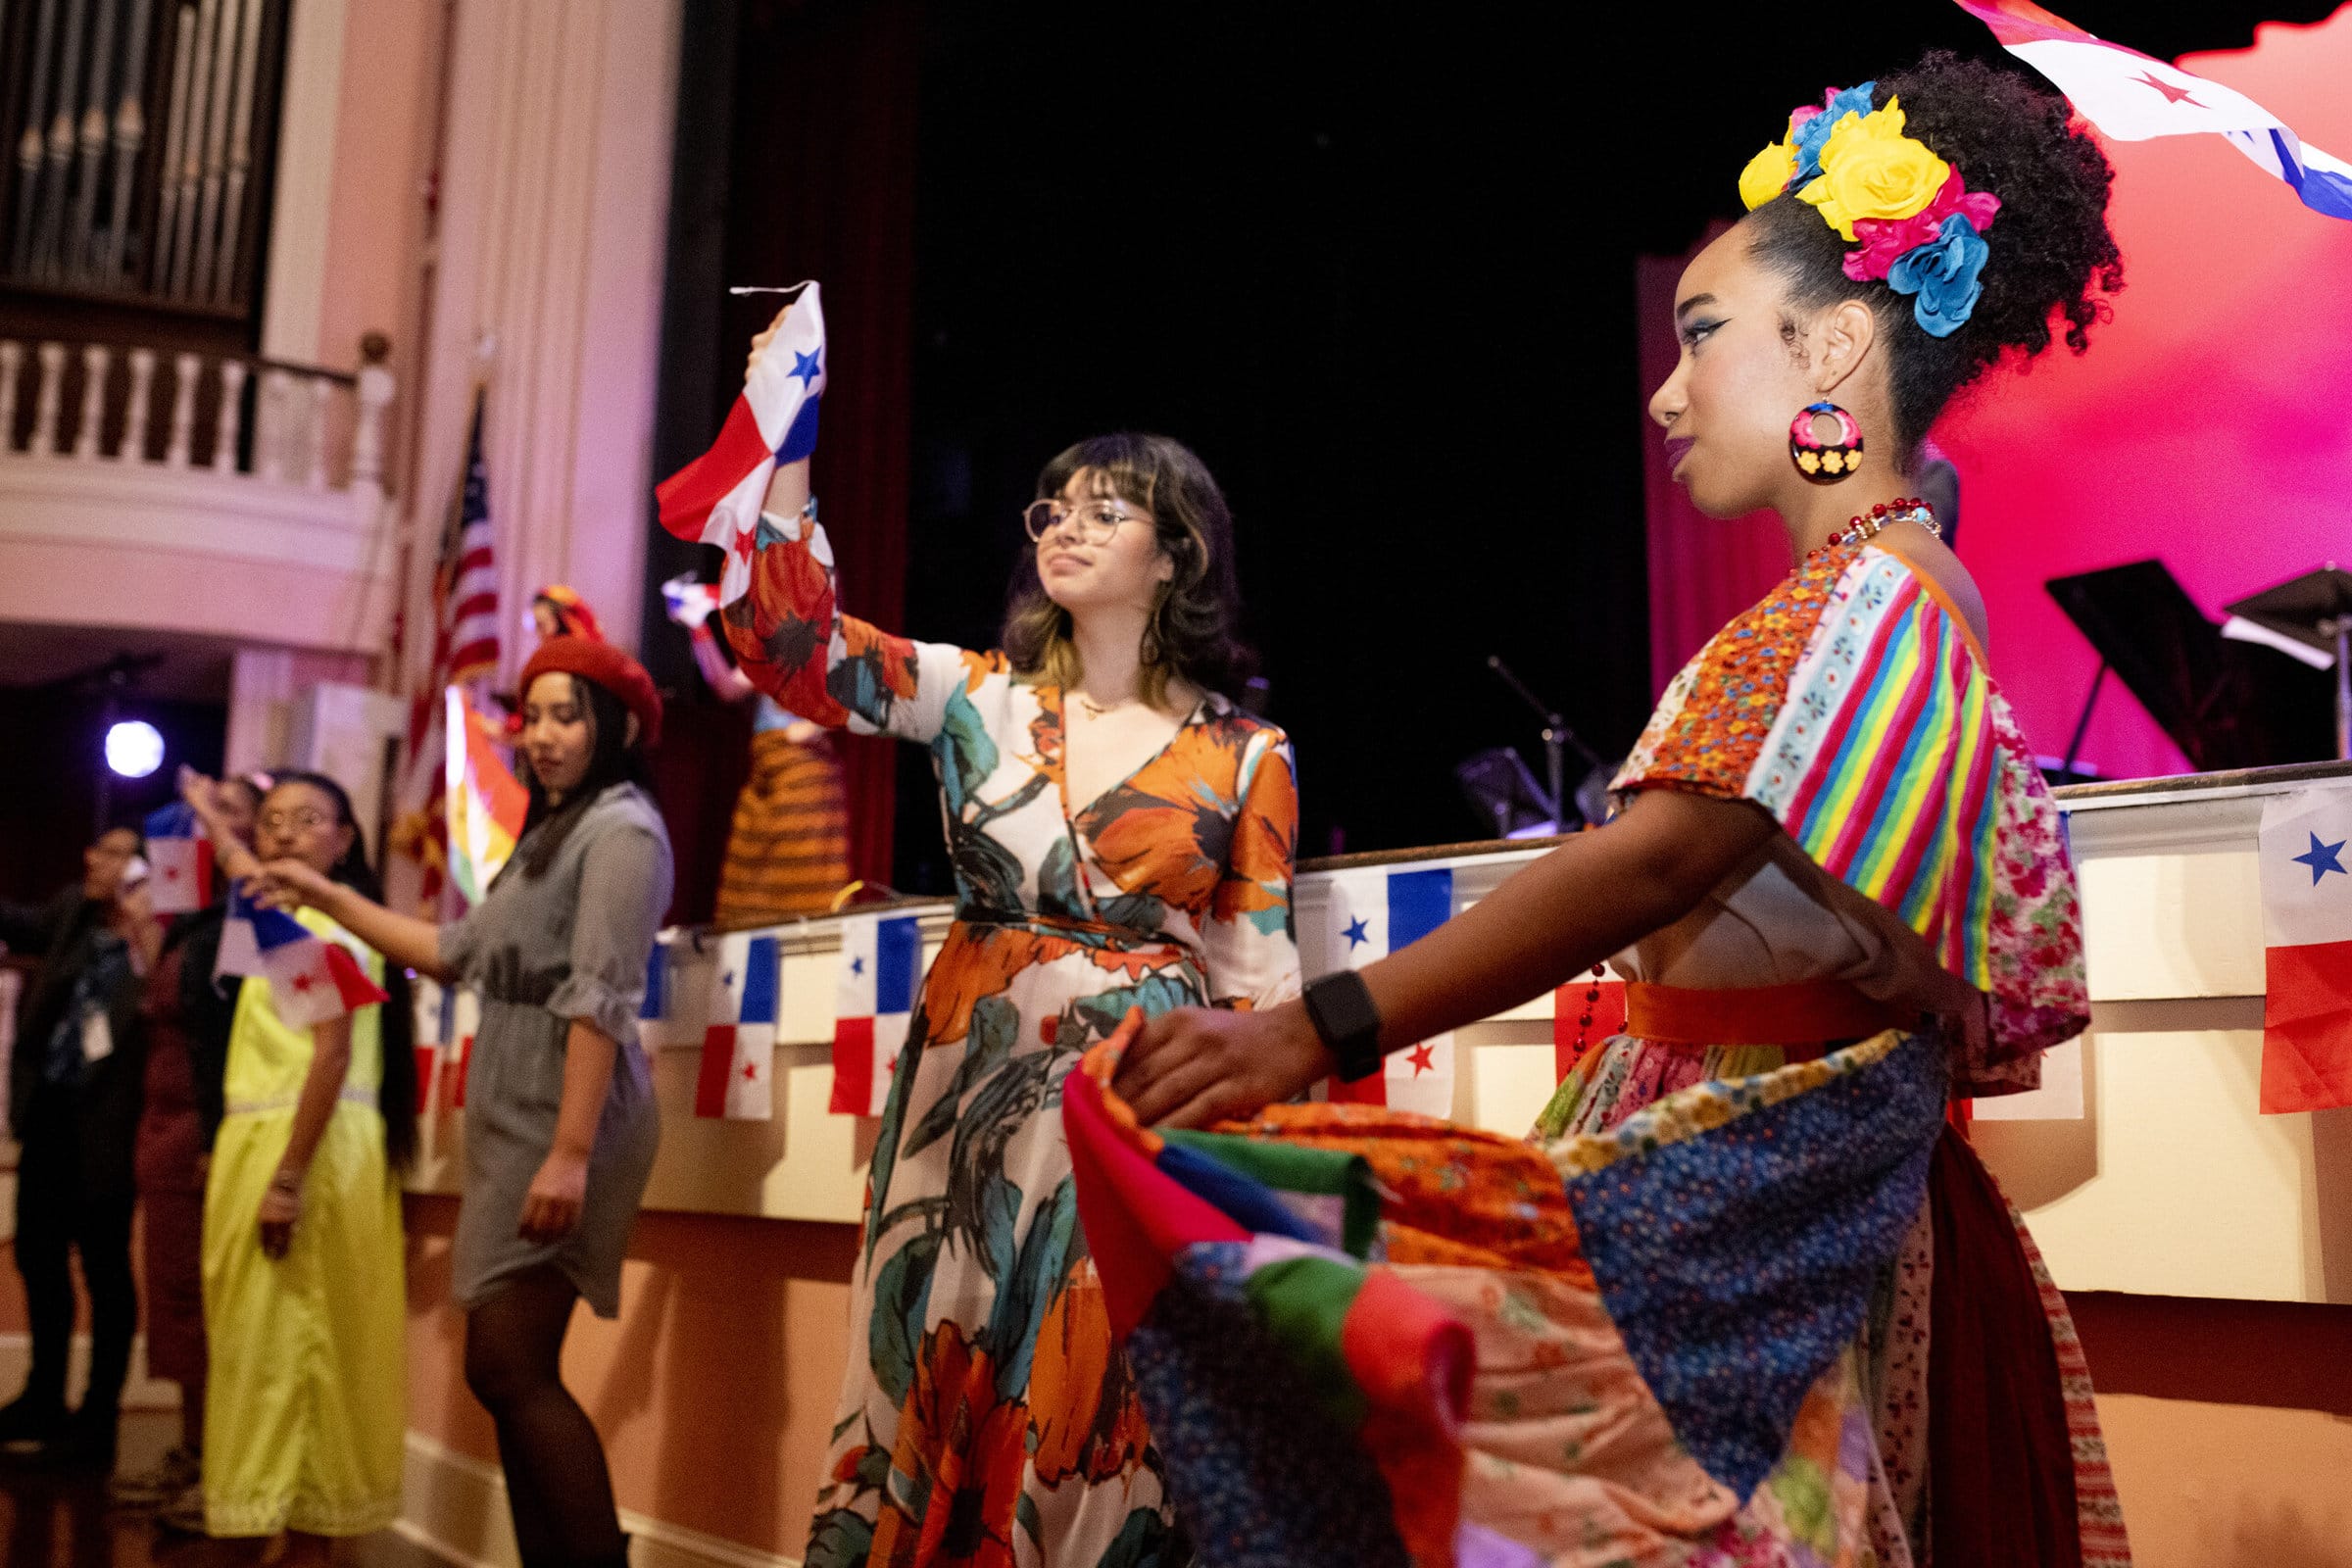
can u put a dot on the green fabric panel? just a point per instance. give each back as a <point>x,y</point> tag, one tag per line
<point>1303,1303</point>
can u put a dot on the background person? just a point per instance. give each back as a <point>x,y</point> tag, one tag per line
<point>305,1294</point>
<point>561,1125</point>
<point>788,848</point>
<point>74,1106</point>
<point>188,1012</point>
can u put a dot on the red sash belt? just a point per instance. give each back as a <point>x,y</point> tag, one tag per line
<point>1807,1012</point>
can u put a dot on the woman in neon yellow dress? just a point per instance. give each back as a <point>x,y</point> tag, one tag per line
<point>304,1283</point>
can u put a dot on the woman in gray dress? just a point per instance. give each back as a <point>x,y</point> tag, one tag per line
<point>561,1125</point>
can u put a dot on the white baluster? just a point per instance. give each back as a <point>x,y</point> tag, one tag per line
<point>269,460</point>
<point>95,359</point>
<point>134,412</point>
<point>183,409</point>
<point>316,429</point>
<point>367,429</point>
<point>49,392</point>
<point>12,361</point>
<point>230,424</point>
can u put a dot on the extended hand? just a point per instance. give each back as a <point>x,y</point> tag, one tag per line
<point>1199,1065</point>
<point>552,1207</point>
<point>689,600</point>
<point>199,792</point>
<point>289,885</point>
<point>760,344</point>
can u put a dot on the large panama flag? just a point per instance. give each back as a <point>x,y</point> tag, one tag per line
<point>2135,97</point>
<point>2307,950</point>
<point>715,499</point>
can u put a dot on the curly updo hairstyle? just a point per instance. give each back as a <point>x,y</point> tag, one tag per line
<point>1192,629</point>
<point>2050,255</point>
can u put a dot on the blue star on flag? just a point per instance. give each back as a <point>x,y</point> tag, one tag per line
<point>2321,859</point>
<point>857,967</point>
<point>803,366</point>
<point>1357,935</point>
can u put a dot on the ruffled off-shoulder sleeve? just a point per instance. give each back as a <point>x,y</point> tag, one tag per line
<point>1852,706</point>
<point>794,644</point>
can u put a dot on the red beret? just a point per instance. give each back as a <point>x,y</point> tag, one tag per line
<point>607,666</point>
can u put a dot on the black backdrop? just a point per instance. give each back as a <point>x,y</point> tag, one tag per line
<point>1375,264</point>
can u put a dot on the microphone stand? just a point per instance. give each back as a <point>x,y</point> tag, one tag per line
<point>1557,736</point>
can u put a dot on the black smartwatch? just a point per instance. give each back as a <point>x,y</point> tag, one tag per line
<point>1340,1007</point>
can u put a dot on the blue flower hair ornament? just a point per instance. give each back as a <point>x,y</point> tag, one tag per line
<point>1944,277</point>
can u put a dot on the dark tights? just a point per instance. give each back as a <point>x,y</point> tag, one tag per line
<point>557,1484</point>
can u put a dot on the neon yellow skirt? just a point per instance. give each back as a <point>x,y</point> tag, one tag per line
<point>307,1405</point>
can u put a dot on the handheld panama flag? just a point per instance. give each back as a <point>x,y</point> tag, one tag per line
<point>716,497</point>
<point>1372,913</point>
<point>311,978</point>
<point>690,600</point>
<point>181,858</point>
<point>2306,850</point>
<point>2135,97</point>
<point>485,802</point>
<point>881,969</point>
<point>739,1044</point>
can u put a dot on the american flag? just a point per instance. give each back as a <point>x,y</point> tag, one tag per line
<point>465,648</point>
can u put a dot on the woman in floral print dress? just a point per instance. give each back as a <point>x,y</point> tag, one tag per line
<point>1122,837</point>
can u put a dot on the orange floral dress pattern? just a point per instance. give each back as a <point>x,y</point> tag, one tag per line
<point>987,1418</point>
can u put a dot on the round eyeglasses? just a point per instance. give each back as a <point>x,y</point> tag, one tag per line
<point>1095,520</point>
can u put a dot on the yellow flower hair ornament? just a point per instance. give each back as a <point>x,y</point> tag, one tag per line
<point>1918,225</point>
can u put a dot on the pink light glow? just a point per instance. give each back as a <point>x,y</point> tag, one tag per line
<point>2209,424</point>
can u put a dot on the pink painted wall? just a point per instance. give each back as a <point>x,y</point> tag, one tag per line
<point>2210,425</point>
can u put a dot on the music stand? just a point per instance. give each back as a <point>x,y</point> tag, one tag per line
<point>2313,612</point>
<point>2226,704</point>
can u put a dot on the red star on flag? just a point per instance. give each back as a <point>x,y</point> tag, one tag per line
<point>302,983</point>
<point>743,545</point>
<point>751,1072</point>
<point>2172,93</point>
<point>1421,1059</point>
<point>171,873</point>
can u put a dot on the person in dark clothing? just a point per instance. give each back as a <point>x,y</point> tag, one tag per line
<point>187,1013</point>
<point>74,1091</point>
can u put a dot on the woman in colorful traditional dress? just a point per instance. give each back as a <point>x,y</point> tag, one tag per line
<point>561,1125</point>
<point>788,848</point>
<point>1122,836</point>
<point>1691,1321</point>
<point>306,1396</point>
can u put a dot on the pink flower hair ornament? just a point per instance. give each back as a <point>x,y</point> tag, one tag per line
<point>1885,241</point>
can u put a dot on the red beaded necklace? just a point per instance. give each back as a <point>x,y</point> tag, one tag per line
<point>1871,522</point>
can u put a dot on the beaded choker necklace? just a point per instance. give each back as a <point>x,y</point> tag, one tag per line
<point>1871,522</point>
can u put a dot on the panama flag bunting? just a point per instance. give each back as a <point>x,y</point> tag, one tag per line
<point>2306,850</point>
<point>1371,913</point>
<point>2135,97</point>
<point>739,1044</point>
<point>881,968</point>
<point>715,499</point>
<point>311,978</point>
<point>180,861</point>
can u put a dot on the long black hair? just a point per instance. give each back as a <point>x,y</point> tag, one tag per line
<point>612,758</point>
<point>396,1098</point>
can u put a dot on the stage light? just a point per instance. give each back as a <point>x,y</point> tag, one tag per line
<point>134,747</point>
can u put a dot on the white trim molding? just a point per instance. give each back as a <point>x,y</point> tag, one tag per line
<point>455,1506</point>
